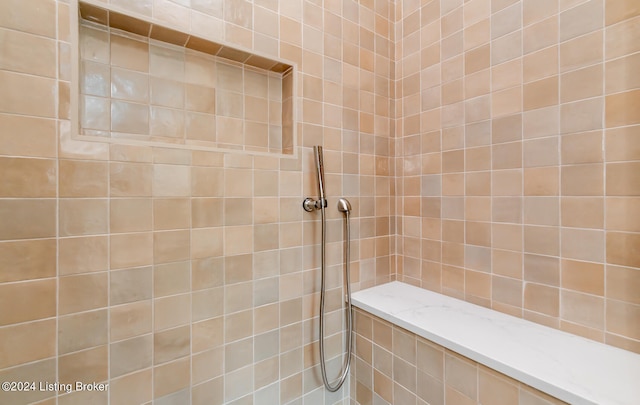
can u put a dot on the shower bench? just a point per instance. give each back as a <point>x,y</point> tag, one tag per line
<point>562,365</point>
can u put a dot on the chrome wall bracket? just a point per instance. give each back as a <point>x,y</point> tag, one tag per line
<point>310,205</point>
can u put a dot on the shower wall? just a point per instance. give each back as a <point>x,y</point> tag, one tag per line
<point>180,275</point>
<point>518,158</point>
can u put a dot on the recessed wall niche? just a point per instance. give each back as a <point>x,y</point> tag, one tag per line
<point>140,82</point>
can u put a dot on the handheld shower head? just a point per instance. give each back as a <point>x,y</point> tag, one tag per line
<point>309,204</point>
<point>317,151</point>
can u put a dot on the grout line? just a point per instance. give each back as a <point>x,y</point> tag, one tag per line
<point>604,168</point>
<point>57,214</point>
<point>559,158</point>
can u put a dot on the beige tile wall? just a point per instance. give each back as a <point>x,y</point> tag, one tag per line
<point>395,366</point>
<point>182,276</point>
<point>518,140</point>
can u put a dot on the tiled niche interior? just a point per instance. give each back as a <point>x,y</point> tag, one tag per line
<point>144,83</point>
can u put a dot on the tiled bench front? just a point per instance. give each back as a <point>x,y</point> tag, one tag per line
<point>463,353</point>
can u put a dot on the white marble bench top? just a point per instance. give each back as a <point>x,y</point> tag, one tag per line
<point>566,366</point>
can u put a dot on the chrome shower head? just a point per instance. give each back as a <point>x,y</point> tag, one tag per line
<point>317,151</point>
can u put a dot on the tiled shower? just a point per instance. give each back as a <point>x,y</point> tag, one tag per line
<point>490,150</point>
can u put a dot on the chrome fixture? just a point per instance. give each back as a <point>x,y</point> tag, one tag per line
<point>310,204</point>
<point>344,206</point>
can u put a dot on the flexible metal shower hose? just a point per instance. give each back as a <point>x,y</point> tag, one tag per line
<point>347,360</point>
